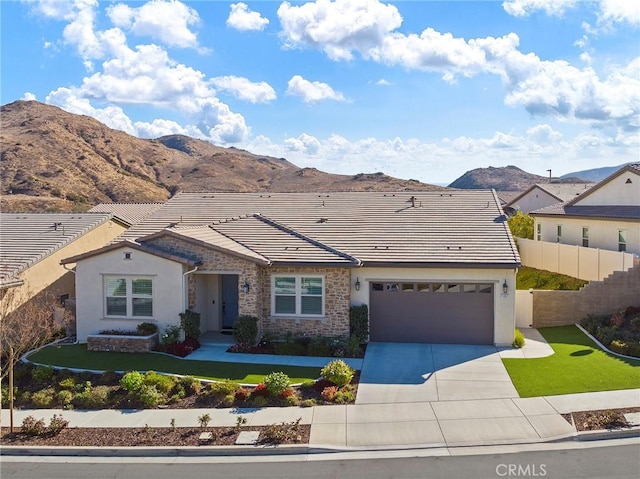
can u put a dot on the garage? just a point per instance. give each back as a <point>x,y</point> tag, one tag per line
<point>429,312</point>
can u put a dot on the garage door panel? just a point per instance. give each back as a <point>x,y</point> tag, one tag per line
<point>436,317</point>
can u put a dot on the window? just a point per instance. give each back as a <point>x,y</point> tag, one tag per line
<point>558,233</point>
<point>128,296</point>
<point>298,295</point>
<point>539,232</point>
<point>622,240</point>
<point>585,237</point>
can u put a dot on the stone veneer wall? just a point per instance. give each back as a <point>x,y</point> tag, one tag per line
<point>337,303</point>
<point>122,344</point>
<point>558,308</point>
<point>213,260</point>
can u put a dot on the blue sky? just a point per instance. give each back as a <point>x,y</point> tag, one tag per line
<point>417,89</point>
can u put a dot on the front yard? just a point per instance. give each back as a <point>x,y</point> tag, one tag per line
<point>578,365</point>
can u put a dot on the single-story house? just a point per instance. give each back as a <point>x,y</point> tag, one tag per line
<point>607,216</point>
<point>542,195</point>
<point>32,245</point>
<point>431,266</point>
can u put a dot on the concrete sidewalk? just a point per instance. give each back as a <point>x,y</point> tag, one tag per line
<point>370,426</point>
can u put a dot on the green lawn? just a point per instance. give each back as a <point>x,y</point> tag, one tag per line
<point>577,366</point>
<point>77,356</point>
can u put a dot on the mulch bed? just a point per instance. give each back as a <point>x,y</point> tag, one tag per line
<point>150,436</point>
<point>600,420</point>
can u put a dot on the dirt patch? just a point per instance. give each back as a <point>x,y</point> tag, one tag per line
<point>152,436</point>
<point>604,419</point>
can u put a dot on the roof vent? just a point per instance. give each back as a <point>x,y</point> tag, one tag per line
<point>413,201</point>
<point>628,182</point>
<point>56,225</point>
<point>323,220</point>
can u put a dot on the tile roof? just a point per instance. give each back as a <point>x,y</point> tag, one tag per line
<point>562,191</point>
<point>26,239</point>
<point>131,213</point>
<point>463,227</point>
<point>564,209</point>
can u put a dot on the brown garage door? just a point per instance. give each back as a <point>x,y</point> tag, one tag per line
<point>456,313</point>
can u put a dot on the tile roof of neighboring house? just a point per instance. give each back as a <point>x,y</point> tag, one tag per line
<point>131,213</point>
<point>562,191</point>
<point>463,227</point>
<point>632,167</point>
<point>27,238</point>
<point>506,197</point>
<point>565,209</point>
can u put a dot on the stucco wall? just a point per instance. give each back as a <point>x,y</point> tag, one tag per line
<point>558,308</point>
<point>49,274</point>
<point>615,192</point>
<point>534,200</point>
<point>168,292</point>
<point>504,306</point>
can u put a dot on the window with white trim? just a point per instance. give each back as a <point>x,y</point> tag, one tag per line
<point>558,233</point>
<point>128,297</point>
<point>297,295</point>
<point>585,237</point>
<point>539,232</point>
<point>622,240</point>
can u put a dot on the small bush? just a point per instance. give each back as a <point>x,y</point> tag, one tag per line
<point>359,322</point>
<point>110,377</point>
<point>259,401</point>
<point>149,396</point>
<point>278,433</point>
<point>592,322</point>
<point>223,388</point>
<point>228,400</point>
<point>204,420</point>
<point>92,398</point>
<point>245,330</point>
<point>518,340</point>
<point>260,390</point>
<point>276,382</point>
<point>338,372</point>
<point>190,322</point>
<point>68,383</point>
<point>329,393</point>
<point>171,335</point>
<point>42,374</point>
<point>147,329</point>
<point>308,403</point>
<point>180,349</point>
<point>57,424</point>
<point>65,397</point>
<point>344,396</point>
<point>43,398</point>
<point>190,384</point>
<point>320,347</point>
<point>32,426</point>
<point>242,394</point>
<point>132,381</point>
<point>291,401</point>
<point>289,349</point>
<point>163,383</point>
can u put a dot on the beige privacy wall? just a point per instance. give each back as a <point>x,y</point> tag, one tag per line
<point>590,264</point>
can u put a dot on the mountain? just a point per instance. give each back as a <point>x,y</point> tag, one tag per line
<point>595,174</point>
<point>53,160</point>
<point>505,178</point>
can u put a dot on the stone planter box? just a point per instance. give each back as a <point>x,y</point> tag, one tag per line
<point>122,344</point>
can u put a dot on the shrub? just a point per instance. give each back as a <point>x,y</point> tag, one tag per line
<point>242,394</point>
<point>635,324</point>
<point>93,398</point>
<point>32,426</point>
<point>223,388</point>
<point>344,396</point>
<point>592,322</point>
<point>110,377</point>
<point>245,330</point>
<point>622,347</point>
<point>308,403</point>
<point>171,335</point>
<point>276,382</point>
<point>204,420</point>
<point>180,349</point>
<point>359,322</point>
<point>147,329</point>
<point>605,334</point>
<point>278,433</point>
<point>43,398</point>
<point>191,343</point>
<point>163,383</point>
<point>291,401</point>
<point>65,397</point>
<point>57,424</point>
<point>68,383</point>
<point>617,320</point>
<point>320,347</point>
<point>228,400</point>
<point>190,384</point>
<point>42,374</point>
<point>260,390</point>
<point>338,372</point>
<point>518,340</point>
<point>132,381</point>
<point>259,401</point>
<point>289,349</point>
<point>190,322</point>
<point>149,396</point>
<point>352,347</point>
<point>329,393</point>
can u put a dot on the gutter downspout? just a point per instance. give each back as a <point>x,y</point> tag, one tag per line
<point>185,290</point>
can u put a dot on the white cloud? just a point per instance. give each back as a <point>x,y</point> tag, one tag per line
<point>543,134</point>
<point>159,127</point>
<point>245,89</point>
<point>312,92</point>
<point>243,19</point>
<point>619,11</point>
<point>28,96</point>
<point>383,82</point>
<point>304,144</point>
<point>166,20</point>
<point>523,8</point>
<point>339,27</point>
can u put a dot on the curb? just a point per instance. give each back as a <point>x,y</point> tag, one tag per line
<point>608,434</point>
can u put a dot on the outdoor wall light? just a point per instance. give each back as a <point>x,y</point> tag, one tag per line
<point>245,287</point>
<point>357,285</point>
<point>505,287</point>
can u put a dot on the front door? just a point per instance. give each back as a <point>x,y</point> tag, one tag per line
<point>229,300</point>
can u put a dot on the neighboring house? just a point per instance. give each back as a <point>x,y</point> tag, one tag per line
<point>607,216</point>
<point>32,245</point>
<point>505,197</point>
<point>546,194</point>
<point>431,266</point>
<point>131,213</point>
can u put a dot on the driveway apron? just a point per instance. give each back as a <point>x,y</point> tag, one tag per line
<point>411,372</point>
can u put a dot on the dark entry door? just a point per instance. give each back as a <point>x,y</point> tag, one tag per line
<point>229,300</point>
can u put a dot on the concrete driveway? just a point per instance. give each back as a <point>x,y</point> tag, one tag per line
<point>409,373</point>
